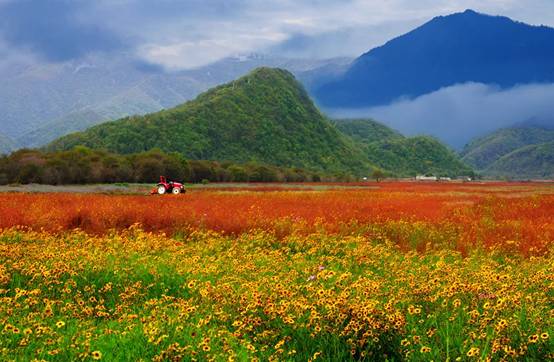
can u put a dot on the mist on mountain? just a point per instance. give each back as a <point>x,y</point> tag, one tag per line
<point>460,113</point>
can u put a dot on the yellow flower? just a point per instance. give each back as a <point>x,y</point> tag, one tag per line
<point>60,324</point>
<point>544,336</point>
<point>96,355</point>
<point>425,349</point>
<point>473,351</point>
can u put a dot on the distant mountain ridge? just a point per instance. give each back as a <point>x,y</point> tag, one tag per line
<point>268,117</point>
<point>448,50</point>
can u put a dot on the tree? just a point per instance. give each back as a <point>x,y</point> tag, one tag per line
<point>238,173</point>
<point>377,174</point>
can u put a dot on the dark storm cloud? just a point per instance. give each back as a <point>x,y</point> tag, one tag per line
<point>54,29</point>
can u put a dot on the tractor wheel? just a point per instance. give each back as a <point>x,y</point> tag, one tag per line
<point>176,191</point>
<point>161,189</point>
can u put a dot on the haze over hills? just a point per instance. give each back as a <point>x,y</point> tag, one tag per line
<point>527,147</point>
<point>268,117</point>
<point>75,95</point>
<point>6,145</point>
<point>448,50</point>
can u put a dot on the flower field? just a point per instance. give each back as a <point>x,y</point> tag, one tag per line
<point>391,271</point>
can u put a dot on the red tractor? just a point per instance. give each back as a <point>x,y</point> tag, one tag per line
<point>165,187</point>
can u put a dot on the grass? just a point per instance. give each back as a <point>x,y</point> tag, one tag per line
<point>134,295</point>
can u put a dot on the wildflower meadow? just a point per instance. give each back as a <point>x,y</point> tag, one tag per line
<point>377,272</point>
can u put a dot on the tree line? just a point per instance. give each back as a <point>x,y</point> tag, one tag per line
<point>82,165</point>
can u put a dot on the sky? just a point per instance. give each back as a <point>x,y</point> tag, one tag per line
<point>181,34</point>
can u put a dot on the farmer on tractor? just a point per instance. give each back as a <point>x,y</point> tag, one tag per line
<point>165,187</point>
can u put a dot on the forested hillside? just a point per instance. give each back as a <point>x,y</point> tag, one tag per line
<point>403,156</point>
<point>533,162</point>
<point>75,95</point>
<point>366,130</point>
<point>483,152</point>
<point>266,116</point>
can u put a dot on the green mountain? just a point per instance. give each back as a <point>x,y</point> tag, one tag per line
<point>74,95</point>
<point>411,156</point>
<point>6,145</point>
<point>482,153</point>
<point>366,130</point>
<point>533,161</point>
<point>403,156</point>
<point>266,116</point>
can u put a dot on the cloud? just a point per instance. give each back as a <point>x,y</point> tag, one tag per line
<point>459,113</point>
<point>342,42</point>
<point>56,30</point>
<point>190,33</point>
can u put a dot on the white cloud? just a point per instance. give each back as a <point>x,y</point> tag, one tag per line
<point>459,113</point>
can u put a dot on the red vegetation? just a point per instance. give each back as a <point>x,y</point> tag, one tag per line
<point>514,216</point>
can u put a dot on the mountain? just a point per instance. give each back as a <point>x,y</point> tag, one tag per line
<point>134,101</point>
<point>6,145</point>
<point>266,116</point>
<point>366,130</point>
<point>45,101</point>
<point>483,152</point>
<point>403,156</point>
<point>418,155</point>
<point>528,162</point>
<point>448,50</point>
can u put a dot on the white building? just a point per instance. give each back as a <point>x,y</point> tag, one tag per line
<point>426,178</point>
